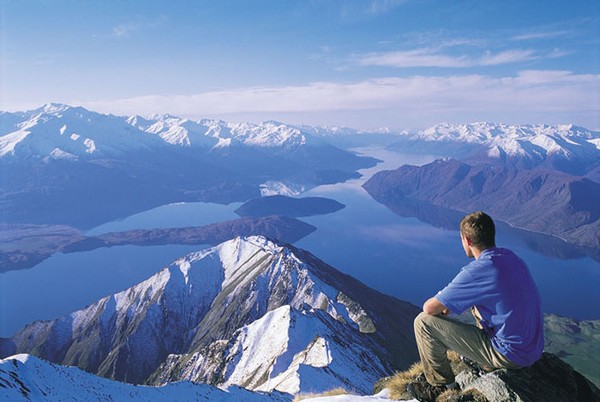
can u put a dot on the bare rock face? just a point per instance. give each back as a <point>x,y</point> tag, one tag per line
<point>550,379</point>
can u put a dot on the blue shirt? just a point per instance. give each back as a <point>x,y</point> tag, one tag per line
<point>499,284</point>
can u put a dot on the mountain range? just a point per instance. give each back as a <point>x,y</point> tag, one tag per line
<point>568,148</point>
<point>69,165</point>
<point>540,178</point>
<point>251,312</point>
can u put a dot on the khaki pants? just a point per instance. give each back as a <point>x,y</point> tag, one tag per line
<point>437,334</point>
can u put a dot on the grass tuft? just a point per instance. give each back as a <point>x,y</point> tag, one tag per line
<point>397,383</point>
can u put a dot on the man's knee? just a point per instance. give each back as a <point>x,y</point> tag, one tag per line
<point>422,321</point>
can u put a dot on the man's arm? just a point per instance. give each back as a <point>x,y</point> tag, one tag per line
<point>434,307</point>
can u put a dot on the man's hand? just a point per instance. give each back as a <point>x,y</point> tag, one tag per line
<point>434,307</point>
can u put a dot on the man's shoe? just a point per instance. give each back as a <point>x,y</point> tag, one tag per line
<point>420,378</point>
<point>425,392</point>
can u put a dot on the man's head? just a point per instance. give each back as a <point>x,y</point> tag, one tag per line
<point>477,230</point>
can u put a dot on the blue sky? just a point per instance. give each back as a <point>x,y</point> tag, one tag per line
<point>365,64</point>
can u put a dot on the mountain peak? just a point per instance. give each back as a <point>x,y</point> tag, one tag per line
<point>251,311</point>
<point>54,108</point>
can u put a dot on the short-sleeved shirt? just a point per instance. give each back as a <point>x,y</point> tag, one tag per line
<point>499,284</point>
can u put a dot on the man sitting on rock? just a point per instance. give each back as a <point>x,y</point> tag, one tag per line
<point>504,299</point>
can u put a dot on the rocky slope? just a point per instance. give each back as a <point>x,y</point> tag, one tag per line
<point>250,312</point>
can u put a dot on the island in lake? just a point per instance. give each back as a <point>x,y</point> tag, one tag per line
<point>288,206</point>
<point>24,246</point>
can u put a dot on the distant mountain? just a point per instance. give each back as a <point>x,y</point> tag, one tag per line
<point>568,148</point>
<point>288,206</point>
<point>347,138</point>
<point>69,165</point>
<point>220,134</point>
<point>63,132</point>
<point>27,378</point>
<point>538,200</point>
<point>249,312</point>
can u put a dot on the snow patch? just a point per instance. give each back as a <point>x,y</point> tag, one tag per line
<point>280,188</point>
<point>90,145</point>
<point>59,154</point>
<point>8,142</point>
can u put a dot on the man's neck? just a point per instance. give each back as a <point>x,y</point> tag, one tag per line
<point>477,252</point>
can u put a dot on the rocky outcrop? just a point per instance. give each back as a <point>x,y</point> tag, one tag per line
<point>550,379</point>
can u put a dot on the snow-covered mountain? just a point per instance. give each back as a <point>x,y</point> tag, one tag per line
<point>27,378</point>
<point>249,312</point>
<point>62,157</point>
<point>565,147</point>
<point>221,134</point>
<point>62,131</point>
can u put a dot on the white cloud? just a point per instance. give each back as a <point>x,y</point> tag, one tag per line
<point>541,35</point>
<point>125,29</point>
<point>464,97</point>
<point>128,28</point>
<point>384,6</point>
<point>506,57</point>
<point>412,58</point>
<point>432,58</point>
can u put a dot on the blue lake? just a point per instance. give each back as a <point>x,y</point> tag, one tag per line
<point>400,256</point>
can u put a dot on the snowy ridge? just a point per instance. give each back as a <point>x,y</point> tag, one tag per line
<point>26,378</point>
<point>535,143</point>
<point>482,132</point>
<point>290,348</point>
<point>220,134</point>
<point>59,130</point>
<point>76,131</point>
<point>248,312</point>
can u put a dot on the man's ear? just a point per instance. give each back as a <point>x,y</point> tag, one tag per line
<point>468,241</point>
